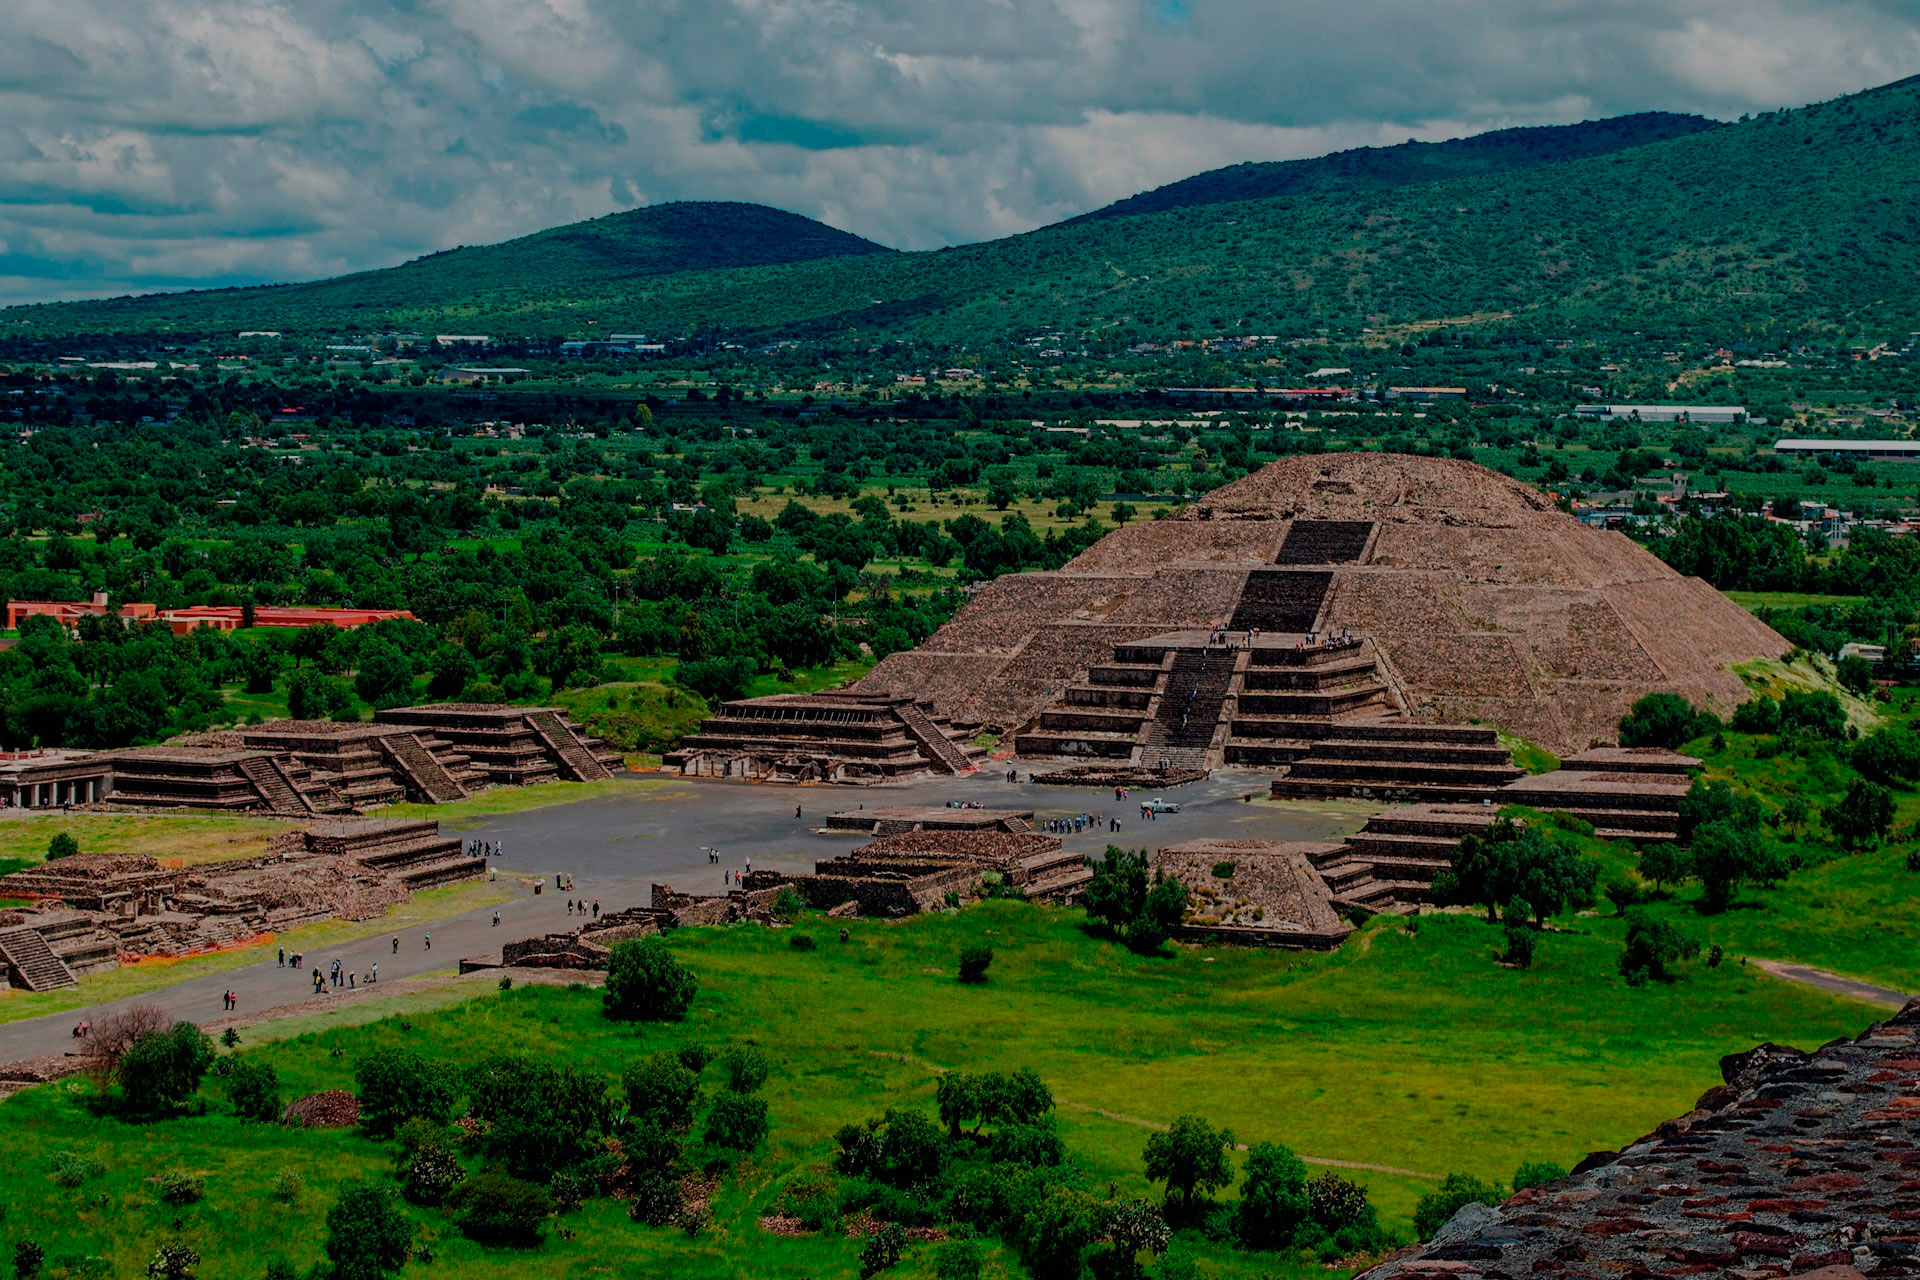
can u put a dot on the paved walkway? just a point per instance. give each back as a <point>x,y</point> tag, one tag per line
<point>616,846</point>
<point>1851,987</point>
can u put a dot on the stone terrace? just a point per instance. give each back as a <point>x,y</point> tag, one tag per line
<point>1800,1164</point>
<point>889,820</point>
<point>824,738</point>
<point>1273,896</point>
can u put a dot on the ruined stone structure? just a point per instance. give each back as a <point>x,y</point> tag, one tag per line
<point>1800,1164</point>
<point>1270,894</point>
<point>92,909</point>
<point>1469,596</point>
<point>893,820</point>
<point>826,737</point>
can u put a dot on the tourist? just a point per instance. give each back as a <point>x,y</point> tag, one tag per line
<point>282,961</point>
<point>496,919</point>
<point>350,980</point>
<point>796,811</point>
<point>428,940</point>
<point>596,909</point>
<point>375,975</point>
<point>396,945</point>
<point>569,906</point>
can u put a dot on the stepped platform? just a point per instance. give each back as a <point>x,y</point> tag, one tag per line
<point>188,778</point>
<point>1271,895</point>
<point>1127,776</point>
<point>501,745</point>
<point>825,738</point>
<point>889,820</point>
<point>30,963</point>
<point>1657,760</point>
<point>1397,760</point>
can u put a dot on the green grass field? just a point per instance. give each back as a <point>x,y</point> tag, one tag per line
<point>192,837</point>
<point>1414,1052</point>
<point>1787,599</point>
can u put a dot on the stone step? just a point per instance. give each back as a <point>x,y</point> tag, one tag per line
<point>33,962</point>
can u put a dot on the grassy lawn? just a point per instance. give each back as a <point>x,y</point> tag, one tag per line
<point>1786,599</point>
<point>425,907</point>
<point>1412,1051</point>
<point>495,801</point>
<point>192,837</point>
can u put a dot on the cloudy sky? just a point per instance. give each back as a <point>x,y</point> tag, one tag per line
<point>150,144</point>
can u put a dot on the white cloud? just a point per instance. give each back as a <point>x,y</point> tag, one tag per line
<point>146,144</point>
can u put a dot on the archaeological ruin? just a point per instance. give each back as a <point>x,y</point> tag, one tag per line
<point>826,737</point>
<point>305,768</point>
<point>1362,624</point>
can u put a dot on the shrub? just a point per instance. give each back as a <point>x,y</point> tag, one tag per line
<point>1273,1197</point>
<point>1440,1204</point>
<point>568,1191</point>
<point>661,1091</point>
<point>172,1262</point>
<point>177,1186</point>
<point>959,1260</point>
<point>656,1199</point>
<point>367,1234</point>
<point>1337,1204</point>
<point>1913,859</point>
<point>694,1057</point>
<point>1223,870</point>
<point>1535,1173</point>
<point>1132,1227</point>
<point>1520,940</point>
<point>396,1085</point>
<point>883,1249</point>
<point>974,961</point>
<point>1663,720</point>
<point>1623,893</point>
<point>253,1089</point>
<point>736,1122</point>
<point>746,1068</point>
<point>28,1257</point>
<point>1653,946</point>
<point>63,845</point>
<point>1890,757</point>
<point>1724,856</point>
<point>1033,1145</point>
<point>787,904</point>
<point>645,983</point>
<point>1862,817</point>
<point>803,942</point>
<point>70,1170</point>
<point>288,1186</point>
<point>498,1209</point>
<point>432,1174</point>
<point>160,1070</point>
<point>813,1201</point>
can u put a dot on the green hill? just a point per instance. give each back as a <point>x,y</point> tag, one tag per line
<point>1793,222</point>
<point>1409,163</point>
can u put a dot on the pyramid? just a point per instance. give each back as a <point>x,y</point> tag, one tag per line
<point>1471,598</point>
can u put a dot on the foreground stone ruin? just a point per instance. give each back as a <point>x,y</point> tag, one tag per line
<point>303,768</point>
<point>1466,597</point>
<point>93,911</point>
<point>1255,893</point>
<point>1800,1164</point>
<point>826,737</point>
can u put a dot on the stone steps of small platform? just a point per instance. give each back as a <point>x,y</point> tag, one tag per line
<point>449,870</point>
<point>1124,699</point>
<point>1059,888</point>
<point>1385,897</point>
<point>32,961</point>
<point>1342,876</point>
<point>1371,771</point>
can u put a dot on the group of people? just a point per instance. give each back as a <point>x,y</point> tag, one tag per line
<point>340,976</point>
<point>575,906</point>
<point>1220,636</point>
<point>1315,640</point>
<point>971,804</point>
<point>484,848</point>
<point>1079,822</point>
<point>731,877</point>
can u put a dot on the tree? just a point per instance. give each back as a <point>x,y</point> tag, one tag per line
<point>1653,947</point>
<point>1862,817</point>
<point>1506,861</point>
<point>312,696</point>
<point>259,667</point>
<point>160,1070</point>
<point>645,983</point>
<point>1726,854</point>
<point>395,1085</point>
<point>1132,1227</point>
<point>1716,802</point>
<point>883,1250</point>
<point>1665,863</point>
<point>1118,889</point>
<point>1273,1197</point>
<point>1662,720</point>
<point>1191,1157</point>
<point>974,960</point>
<point>497,1209</point>
<point>367,1234</point>
<point>1856,675</point>
<point>431,1175</point>
<point>1453,1194</point>
<point>385,675</point>
<point>661,1091</point>
<point>63,845</point>
<point>1337,1204</point>
<point>1536,1173</point>
<point>253,1089</point>
<point>746,1068</point>
<point>736,1122</point>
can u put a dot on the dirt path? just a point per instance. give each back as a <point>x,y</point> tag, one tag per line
<point>1071,1105</point>
<point>1853,988</point>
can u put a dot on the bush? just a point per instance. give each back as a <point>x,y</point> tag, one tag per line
<point>289,1186</point>
<point>1536,1173</point>
<point>1653,947</point>
<point>253,1089</point>
<point>645,983</point>
<point>883,1249</point>
<point>28,1257</point>
<point>694,1057</point>
<point>1520,940</point>
<point>496,1209</point>
<point>1862,817</point>
<point>367,1235</point>
<point>1273,1197</point>
<point>1663,720</point>
<point>974,961</point>
<point>746,1068</point>
<point>813,1201</point>
<point>161,1069</point>
<point>395,1086</point>
<point>1890,757</point>
<point>1337,1204</point>
<point>177,1186</point>
<point>1457,1191</point>
<point>172,1262</point>
<point>63,845</point>
<point>736,1122</point>
<point>787,904</point>
<point>803,942</point>
<point>661,1091</point>
<point>959,1260</point>
<point>70,1170</point>
<point>569,1192</point>
<point>1191,1157</point>
<point>1035,1146</point>
<point>656,1200</point>
<point>432,1174</point>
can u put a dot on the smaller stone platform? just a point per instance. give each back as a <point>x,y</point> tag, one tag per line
<point>1121,776</point>
<point>887,820</point>
<point>1272,896</point>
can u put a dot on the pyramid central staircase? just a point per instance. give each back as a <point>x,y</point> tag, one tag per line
<point>31,963</point>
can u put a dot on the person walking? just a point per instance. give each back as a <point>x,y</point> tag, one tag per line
<point>396,944</point>
<point>796,811</point>
<point>596,908</point>
<point>350,986</point>
<point>428,939</point>
<point>375,975</point>
<point>496,919</point>
<point>282,961</point>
